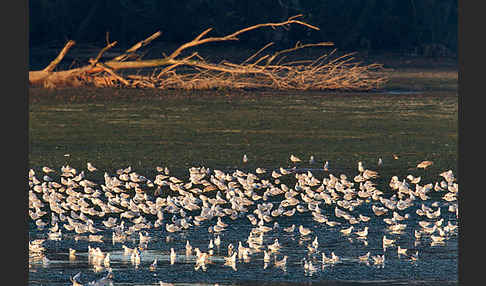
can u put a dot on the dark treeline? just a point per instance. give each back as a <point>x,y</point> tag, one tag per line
<point>403,25</point>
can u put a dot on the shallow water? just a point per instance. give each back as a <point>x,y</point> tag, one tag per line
<point>115,128</point>
<point>215,131</point>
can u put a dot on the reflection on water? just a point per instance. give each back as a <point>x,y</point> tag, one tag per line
<point>324,206</point>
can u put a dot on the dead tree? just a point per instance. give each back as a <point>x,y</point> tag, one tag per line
<point>260,70</point>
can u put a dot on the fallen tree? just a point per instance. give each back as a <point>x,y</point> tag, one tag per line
<point>260,70</point>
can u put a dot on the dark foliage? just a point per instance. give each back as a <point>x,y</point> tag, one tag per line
<point>416,26</point>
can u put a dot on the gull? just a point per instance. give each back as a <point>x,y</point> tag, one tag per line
<point>414,257</point>
<point>275,246</point>
<point>72,254</point>
<point>230,260</point>
<point>54,235</point>
<point>437,187</point>
<point>31,174</point>
<point>347,231</point>
<point>290,228</point>
<point>364,257</point>
<point>241,250</point>
<point>379,259</point>
<point>387,242</point>
<point>135,257</point>
<point>379,210</point>
<point>448,176</point>
<point>369,174</point>
<point>340,213</point>
<point>326,166</point>
<point>46,178</point>
<point>290,212</point>
<point>450,227</point>
<point>334,257</point>
<point>437,239</point>
<point>266,256</point>
<point>68,169</point>
<point>439,222</point>
<point>188,248</point>
<point>315,243</point>
<point>45,261</point>
<point>245,158</point>
<point>363,233</point>
<point>430,230</point>
<point>319,217</point>
<point>260,170</point>
<point>255,238</point>
<point>304,231</point>
<point>220,223</point>
<point>54,228</point>
<point>263,227</point>
<point>360,167</point>
<point>294,159</point>
<point>153,266</point>
<point>93,229</point>
<point>332,223</point>
<point>380,162</point>
<point>79,177</point>
<point>397,228</point>
<point>301,208</point>
<point>398,217</point>
<point>433,215</point>
<point>217,241</point>
<point>40,223</point>
<point>424,164</point>
<point>450,197</point>
<point>106,260</point>
<point>417,234</point>
<point>276,174</point>
<point>127,250</point>
<point>175,180</point>
<point>111,222</point>
<point>75,279</point>
<point>106,280</point>
<point>253,220</point>
<point>47,170</point>
<point>401,251</point>
<point>364,218</point>
<point>309,267</point>
<point>312,160</point>
<point>414,180</point>
<point>36,245</point>
<point>284,171</point>
<point>326,259</point>
<point>90,167</point>
<point>201,260</point>
<point>172,227</point>
<point>172,256</point>
<point>230,249</point>
<point>211,246</point>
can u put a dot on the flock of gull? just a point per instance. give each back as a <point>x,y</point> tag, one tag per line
<point>129,205</point>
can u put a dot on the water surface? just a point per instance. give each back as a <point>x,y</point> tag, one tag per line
<point>119,128</point>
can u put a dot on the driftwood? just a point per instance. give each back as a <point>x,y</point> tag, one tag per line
<point>193,72</point>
